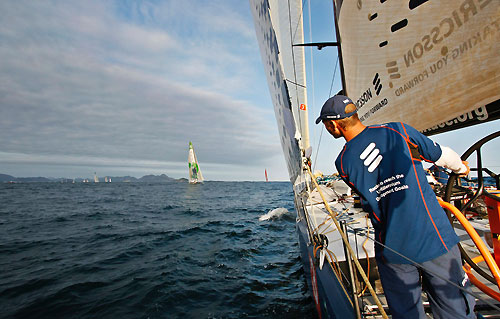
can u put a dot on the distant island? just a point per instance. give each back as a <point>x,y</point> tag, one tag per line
<point>4,178</point>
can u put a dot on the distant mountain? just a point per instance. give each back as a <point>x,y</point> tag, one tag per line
<point>33,179</point>
<point>154,178</point>
<point>126,179</point>
<point>4,178</point>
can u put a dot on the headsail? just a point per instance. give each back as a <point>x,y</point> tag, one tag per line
<point>195,175</point>
<point>278,25</point>
<point>432,64</point>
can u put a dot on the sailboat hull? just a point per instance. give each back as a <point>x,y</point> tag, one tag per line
<point>327,291</point>
<point>433,65</point>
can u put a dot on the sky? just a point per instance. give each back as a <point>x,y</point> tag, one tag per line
<point>122,87</point>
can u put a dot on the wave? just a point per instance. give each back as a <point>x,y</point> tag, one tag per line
<point>274,214</point>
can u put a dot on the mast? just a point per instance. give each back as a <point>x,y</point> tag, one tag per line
<point>339,48</point>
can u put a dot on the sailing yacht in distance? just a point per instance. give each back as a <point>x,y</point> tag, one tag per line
<point>96,179</point>
<point>195,175</point>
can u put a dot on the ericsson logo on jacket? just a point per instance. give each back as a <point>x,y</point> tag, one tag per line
<point>371,157</point>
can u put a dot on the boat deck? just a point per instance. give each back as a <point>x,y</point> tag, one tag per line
<point>358,225</point>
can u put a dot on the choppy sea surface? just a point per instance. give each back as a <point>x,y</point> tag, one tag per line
<point>138,250</point>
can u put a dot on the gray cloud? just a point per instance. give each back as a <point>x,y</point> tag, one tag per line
<point>82,83</point>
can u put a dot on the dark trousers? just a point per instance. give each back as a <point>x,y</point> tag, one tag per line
<point>403,284</point>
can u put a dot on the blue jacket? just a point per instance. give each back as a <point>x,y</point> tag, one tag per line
<point>384,165</point>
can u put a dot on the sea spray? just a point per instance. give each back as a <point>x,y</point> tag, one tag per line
<point>159,250</point>
<point>274,213</point>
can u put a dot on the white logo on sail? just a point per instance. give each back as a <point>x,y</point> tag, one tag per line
<point>371,157</point>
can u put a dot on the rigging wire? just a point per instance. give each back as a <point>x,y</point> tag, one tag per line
<point>292,36</point>
<point>334,261</point>
<point>349,248</point>
<point>313,95</point>
<point>298,20</point>
<point>418,265</point>
<point>322,127</point>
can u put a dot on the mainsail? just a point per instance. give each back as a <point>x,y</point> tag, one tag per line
<point>195,175</point>
<point>431,64</point>
<point>280,25</point>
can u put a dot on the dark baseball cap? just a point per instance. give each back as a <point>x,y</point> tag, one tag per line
<point>334,108</point>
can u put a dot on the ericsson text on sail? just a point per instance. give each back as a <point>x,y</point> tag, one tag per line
<point>457,19</point>
<point>489,33</point>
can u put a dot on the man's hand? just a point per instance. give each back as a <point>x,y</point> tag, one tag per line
<point>468,169</point>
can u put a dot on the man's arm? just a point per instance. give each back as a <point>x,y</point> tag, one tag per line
<point>440,155</point>
<point>450,159</point>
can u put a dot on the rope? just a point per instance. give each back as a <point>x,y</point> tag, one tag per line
<point>416,264</point>
<point>334,265</point>
<point>339,279</point>
<point>349,248</point>
<point>366,252</point>
<point>495,271</point>
<point>487,290</point>
<point>339,275</point>
<point>333,262</point>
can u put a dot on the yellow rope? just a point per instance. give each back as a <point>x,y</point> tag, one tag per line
<point>349,248</point>
<point>334,261</point>
<point>339,279</point>
<point>366,252</point>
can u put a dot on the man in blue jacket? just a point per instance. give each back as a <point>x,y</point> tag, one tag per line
<point>414,239</point>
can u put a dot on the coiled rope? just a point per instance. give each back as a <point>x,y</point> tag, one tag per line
<point>349,248</point>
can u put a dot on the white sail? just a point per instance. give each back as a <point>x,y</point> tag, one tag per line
<point>287,22</point>
<point>431,64</point>
<point>279,25</point>
<point>96,179</point>
<point>195,175</point>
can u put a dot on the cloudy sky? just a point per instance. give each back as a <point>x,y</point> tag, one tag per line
<point>121,87</point>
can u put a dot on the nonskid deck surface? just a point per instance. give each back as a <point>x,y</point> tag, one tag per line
<point>358,225</point>
<point>357,222</point>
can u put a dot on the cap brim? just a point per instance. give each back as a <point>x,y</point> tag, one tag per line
<point>319,119</point>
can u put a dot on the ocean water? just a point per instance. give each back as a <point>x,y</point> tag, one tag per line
<point>137,250</point>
